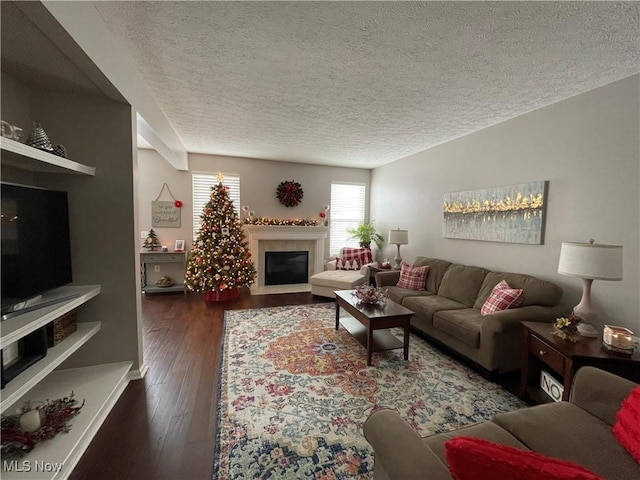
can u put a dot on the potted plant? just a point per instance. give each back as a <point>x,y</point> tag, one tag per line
<point>366,233</point>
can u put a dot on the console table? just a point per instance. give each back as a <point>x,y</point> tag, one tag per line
<point>148,283</point>
<point>562,358</point>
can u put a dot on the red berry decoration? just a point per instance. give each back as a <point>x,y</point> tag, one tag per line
<point>178,204</point>
<point>289,193</point>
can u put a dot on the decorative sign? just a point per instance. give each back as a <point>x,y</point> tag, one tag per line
<point>551,386</point>
<point>165,214</point>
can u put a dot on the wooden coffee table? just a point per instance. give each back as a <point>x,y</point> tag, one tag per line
<point>370,323</point>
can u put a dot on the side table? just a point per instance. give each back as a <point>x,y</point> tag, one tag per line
<point>562,358</point>
<point>372,273</point>
<point>148,278</point>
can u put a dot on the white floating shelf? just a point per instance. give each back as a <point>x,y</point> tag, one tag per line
<point>33,375</point>
<point>100,387</point>
<point>15,328</point>
<point>23,156</point>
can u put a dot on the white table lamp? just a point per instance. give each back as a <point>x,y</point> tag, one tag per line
<point>589,261</point>
<point>398,237</point>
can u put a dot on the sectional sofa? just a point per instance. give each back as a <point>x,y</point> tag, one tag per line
<point>448,309</point>
<point>578,431</point>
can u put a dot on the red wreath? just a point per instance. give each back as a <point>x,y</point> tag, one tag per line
<point>289,193</point>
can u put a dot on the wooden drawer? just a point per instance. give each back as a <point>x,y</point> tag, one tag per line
<point>162,257</point>
<point>547,354</point>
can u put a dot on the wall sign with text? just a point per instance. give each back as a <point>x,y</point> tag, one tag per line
<point>165,214</point>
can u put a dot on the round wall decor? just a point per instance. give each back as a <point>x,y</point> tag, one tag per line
<point>289,193</point>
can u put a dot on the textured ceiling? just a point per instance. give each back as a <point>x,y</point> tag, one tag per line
<point>362,84</point>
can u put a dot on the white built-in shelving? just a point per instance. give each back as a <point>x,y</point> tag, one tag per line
<point>47,77</point>
<point>19,155</point>
<point>99,387</point>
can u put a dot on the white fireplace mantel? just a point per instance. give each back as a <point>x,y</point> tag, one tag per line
<point>257,234</point>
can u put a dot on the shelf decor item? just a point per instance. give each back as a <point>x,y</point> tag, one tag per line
<point>60,151</point>
<point>289,193</point>
<point>164,282</point>
<point>39,139</point>
<point>152,241</point>
<point>22,431</point>
<point>61,328</point>
<point>10,131</point>
<point>567,328</point>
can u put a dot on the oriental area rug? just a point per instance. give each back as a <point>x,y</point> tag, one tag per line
<point>294,393</point>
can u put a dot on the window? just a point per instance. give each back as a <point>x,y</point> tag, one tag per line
<point>347,210</point>
<point>202,183</point>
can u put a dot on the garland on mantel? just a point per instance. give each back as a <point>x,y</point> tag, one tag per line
<point>286,222</point>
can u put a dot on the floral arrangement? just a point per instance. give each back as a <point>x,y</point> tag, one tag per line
<point>289,193</point>
<point>18,439</point>
<point>370,295</point>
<point>277,221</point>
<point>567,328</point>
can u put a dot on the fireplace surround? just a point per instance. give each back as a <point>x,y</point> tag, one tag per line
<point>285,238</point>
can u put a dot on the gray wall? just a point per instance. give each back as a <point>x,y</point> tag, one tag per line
<point>258,182</point>
<point>587,147</point>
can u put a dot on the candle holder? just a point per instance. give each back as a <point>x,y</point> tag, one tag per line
<point>618,339</point>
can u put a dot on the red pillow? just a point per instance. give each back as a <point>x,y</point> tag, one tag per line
<point>361,255</point>
<point>412,278</point>
<point>627,426</point>
<point>471,458</point>
<point>502,297</point>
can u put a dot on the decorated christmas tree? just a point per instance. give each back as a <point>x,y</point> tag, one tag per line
<point>220,260</point>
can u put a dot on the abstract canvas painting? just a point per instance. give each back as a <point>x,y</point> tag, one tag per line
<point>513,214</point>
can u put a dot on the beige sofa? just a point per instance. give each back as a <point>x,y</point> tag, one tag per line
<point>578,431</point>
<point>448,310</point>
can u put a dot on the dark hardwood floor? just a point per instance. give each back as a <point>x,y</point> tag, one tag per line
<point>162,427</point>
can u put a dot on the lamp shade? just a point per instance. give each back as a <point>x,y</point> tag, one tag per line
<point>591,261</point>
<point>399,237</point>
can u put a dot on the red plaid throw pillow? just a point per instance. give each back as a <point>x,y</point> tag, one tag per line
<point>412,278</point>
<point>502,297</point>
<point>361,255</point>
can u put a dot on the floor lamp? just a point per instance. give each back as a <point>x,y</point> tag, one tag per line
<point>398,237</point>
<point>589,261</point>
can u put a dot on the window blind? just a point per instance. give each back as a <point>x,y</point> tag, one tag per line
<point>201,185</point>
<point>347,210</point>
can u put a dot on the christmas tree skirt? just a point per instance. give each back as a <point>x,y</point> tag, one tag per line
<point>294,392</point>
<point>229,294</point>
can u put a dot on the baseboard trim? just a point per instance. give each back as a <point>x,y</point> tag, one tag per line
<point>139,373</point>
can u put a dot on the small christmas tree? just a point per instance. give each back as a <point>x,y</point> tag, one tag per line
<point>151,241</point>
<point>219,262</point>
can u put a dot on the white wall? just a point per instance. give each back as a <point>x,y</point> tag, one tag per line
<point>258,182</point>
<point>587,147</point>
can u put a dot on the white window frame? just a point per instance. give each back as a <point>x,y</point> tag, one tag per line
<point>201,183</point>
<point>345,213</point>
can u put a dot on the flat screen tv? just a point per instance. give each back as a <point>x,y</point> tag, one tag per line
<point>36,246</point>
